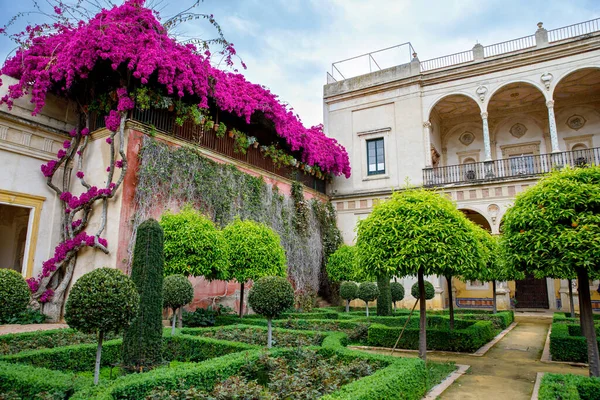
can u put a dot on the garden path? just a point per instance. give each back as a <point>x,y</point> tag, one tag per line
<point>508,370</point>
<point>6,329</point>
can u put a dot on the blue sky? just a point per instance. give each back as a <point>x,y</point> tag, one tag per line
<point>289,45</point>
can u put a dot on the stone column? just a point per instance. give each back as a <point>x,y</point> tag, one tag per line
<point>427,140</point>
<point>552,124</point>
<point>486,137</point>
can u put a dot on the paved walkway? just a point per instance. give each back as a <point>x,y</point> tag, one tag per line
<point>6,329</point>
<point>508,370</point>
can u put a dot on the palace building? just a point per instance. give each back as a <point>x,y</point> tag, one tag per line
<point>481,126</point>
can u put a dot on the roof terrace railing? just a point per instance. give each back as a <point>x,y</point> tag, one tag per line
<point>355,66</point>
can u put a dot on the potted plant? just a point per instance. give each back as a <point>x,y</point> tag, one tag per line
<point>230,133</point>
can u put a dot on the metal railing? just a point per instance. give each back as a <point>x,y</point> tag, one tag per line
<point>446,61</point>
<point>509,168</point>
<point>571,31</point>
<point>164,121</point>
<point>355,66</point>
<point>509,46</point>
<point>493,50</point>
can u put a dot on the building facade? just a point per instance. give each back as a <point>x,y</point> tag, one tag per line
<point>481,126</point>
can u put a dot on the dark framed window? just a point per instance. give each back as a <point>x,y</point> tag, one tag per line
<point>375,157</point>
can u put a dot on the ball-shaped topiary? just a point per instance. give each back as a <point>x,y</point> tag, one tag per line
<point>177,292</point>
<point>368,291</point>
<point>429,290</point>
<point>104,300</point>
<point>397,291</point>
<point>270,296</point>
<point>14,292</point>
<point>348,292</point>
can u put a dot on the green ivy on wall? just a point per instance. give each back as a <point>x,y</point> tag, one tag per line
<point>169,177</point>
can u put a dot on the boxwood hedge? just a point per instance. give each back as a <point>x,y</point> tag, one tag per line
<point>567,343</point>
<point>466,339</point>
<point>569,387</point>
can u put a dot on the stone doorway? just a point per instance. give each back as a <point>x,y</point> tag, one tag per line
<point>532,293</point>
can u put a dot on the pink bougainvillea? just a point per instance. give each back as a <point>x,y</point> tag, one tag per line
<point>130,36</point>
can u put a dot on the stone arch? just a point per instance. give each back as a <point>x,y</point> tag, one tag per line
<point>503,86</point>
<point>562,77</point>
<point>477,217</point>
<point>446,95</point>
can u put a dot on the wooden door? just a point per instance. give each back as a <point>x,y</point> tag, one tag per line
<point>532,293</point>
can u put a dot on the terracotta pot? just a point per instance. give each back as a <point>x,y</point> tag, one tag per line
<point>230,134</point>
<point>255,145</point>
<point>171,107</point>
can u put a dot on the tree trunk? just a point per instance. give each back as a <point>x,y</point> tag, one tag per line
<point>384,301</point>
<point>423,318</point>
<point>269,333</point>
<point>241,300</point>
<point>180,317</point>
<point>586,319</point>
<point>571,305</point>
<point>394,307</point>
<point>494,306</point>
<point>450,301</point>
<point>347,305</point>
<point>98,358</point>
<point>173,324</point>
<point>367,305</point>
<point>53,309</point>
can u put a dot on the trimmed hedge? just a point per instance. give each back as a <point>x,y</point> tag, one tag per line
<point>18,342</point>
<point>82,357</point>
<point>28,382</point>
<point>565,318</point>
<point>569,387</point>
<point>297,337</point>
<point>567,344</point>
<point>467,339</point>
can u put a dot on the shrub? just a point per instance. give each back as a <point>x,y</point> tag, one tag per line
<point>567,343</point>
<point>102,301</point>
<point>199,318</point>
<point>257,335</point>
<point>270,296</point>
<point>14,292</point>
<point>142,340</point>
<point>348,292</point>
<point>30,383</point>
<point>29,316</point>
<point>462,339</point>
<point>429,291</point>
<point>569,387</point>
<point>367,291</point>
<point>397,291</point>
<point>18,342</point>
<point>177,292</point>
<point>341,264</point>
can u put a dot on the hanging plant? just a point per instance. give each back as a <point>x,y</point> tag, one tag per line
<point>221,130</point>
<point>240,144</point>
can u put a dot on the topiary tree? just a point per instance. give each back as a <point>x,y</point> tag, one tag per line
<point>397,291</point>
<point>368,291</point>
<point>102,301</point>
<point>416,232</point>
<point>553,230</point>
<point>341,264</point>
<point>14,292</point>
<point>348,292</point>
<point>255,251</point>
<point>177,292</point>
<point>429,290</point>
<point>142,341</point>
<point>193,245</point>
<point>269,297</point>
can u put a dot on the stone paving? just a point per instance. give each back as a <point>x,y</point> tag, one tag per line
<point>508,370</point>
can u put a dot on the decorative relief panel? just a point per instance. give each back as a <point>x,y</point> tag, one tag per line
<point>467,138</point>
<point>576,122</point>
<point>518,130</point>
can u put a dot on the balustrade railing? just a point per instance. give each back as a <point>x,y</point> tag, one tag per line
<point>509,168</point>
<point>571,31</point>
<point>509,46</point>
<point>446,61</point>
<point>164,121</point>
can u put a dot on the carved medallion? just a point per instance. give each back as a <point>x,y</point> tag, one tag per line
<point>546,79</point>
<point>481,92</point>
<point>467,138</point>
<point>576,122</point>
<point>518,130</point>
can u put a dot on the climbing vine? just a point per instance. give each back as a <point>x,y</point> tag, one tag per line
<point>170,177</point>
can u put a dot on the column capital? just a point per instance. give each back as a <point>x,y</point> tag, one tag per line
<point>484,115</point>
<point>550,104</point>
<point>426,124</point>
